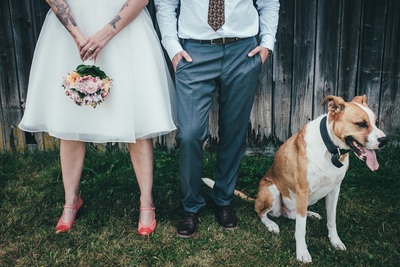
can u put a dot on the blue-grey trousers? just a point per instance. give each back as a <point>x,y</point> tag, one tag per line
<point>228,68</point>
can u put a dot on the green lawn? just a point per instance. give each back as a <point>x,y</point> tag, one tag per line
<point>105,232</point>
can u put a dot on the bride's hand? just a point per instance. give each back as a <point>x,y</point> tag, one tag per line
<point>95,43</point>
<point>91,47</point>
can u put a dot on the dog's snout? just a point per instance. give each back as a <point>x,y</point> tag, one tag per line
<point>383,141</point>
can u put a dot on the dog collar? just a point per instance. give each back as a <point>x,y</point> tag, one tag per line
<point>335,151</point>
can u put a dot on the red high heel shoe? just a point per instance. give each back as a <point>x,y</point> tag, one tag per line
<point>146,230</point>
<point>66,226</point>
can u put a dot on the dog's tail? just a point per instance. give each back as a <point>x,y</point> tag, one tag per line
<point>238,193</point>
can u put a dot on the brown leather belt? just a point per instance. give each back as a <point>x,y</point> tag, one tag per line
<point>218,41</point>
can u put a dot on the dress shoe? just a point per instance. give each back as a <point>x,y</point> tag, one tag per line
<point>147,230</point>
<point>66,226</point>
<point>226,218</point>
<point>188,226</point>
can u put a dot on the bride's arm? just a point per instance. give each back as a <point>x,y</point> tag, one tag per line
<point>63,12</point>
<point>129,11</point>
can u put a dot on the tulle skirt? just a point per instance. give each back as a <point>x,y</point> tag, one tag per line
<point>141,102</point>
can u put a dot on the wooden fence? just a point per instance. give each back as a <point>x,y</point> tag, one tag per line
<point>342,47</point>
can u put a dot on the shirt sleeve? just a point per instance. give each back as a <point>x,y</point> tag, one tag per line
<point>168,23</point>
<point>269,16</point>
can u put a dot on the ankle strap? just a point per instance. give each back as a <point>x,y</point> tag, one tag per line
<point>147,209</point>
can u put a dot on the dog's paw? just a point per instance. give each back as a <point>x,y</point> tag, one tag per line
<point>338,244</point>
<point>314,215</point>
<point>304,256</point>
<point>271,226</point>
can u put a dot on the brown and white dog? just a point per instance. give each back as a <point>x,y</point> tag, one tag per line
<point>312,164</point>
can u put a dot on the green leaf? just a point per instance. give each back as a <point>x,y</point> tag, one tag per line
<point>92,70</point>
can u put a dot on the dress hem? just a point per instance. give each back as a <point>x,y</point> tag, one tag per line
<point>101,141</point>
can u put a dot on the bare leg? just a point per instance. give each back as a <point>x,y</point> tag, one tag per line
<point>141,154</point>
<point>72,155</point>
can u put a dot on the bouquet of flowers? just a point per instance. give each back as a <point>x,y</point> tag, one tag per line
<point>87,85</point>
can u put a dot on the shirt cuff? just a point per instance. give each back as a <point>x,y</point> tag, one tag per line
<point>268,42</point>
<point>172,48</point>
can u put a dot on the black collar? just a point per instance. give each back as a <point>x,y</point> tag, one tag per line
<point>335,151</point>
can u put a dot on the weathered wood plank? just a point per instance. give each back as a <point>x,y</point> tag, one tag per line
<point>39,11</point>
<point>304,63</point>
<point>23,26</point>
<point>349,48</point>
<point>167,140</point>
<point>50,143</point>
<point>389,111</point>
<point>2,131</point>
<point>327,51</point>
<point>371,52</point>
<point>5,39</point>
<point>5,59</point>
<point>9,93</point>
<point>283,72</point>
<point>261,114</point>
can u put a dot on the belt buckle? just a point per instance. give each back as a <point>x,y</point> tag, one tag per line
<point>223,41</point>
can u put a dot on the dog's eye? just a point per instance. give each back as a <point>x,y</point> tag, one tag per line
<point>362,124</point>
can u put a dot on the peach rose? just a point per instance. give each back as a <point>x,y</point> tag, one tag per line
<point>72,78</point>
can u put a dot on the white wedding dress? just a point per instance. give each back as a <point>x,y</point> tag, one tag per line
<point>141,102</point>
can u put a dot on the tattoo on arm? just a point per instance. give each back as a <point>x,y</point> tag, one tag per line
<point>114,21</point>
<point>63,13</point>
<point>125,5</point>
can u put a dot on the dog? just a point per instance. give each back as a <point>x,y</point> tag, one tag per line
<point>312,163</point>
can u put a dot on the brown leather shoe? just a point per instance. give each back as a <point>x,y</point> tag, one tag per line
<point>226,218</point>
<point>188,226</point>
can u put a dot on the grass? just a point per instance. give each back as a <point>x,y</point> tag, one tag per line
<point>31,199</point>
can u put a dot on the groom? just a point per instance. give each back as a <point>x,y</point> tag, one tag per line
<point>213,46</point>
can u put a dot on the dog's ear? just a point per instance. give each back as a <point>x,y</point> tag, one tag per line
<point>361,99</point>
<point>336,103</point>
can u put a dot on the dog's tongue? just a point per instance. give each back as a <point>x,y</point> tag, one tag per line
<point>371,160</point>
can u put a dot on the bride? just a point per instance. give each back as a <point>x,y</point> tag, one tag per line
<point>117,36</point>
